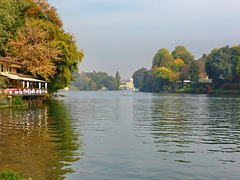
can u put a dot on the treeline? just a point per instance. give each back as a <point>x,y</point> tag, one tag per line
<point>96,81</point>
<point>32,33</point>
<point>221,65</point>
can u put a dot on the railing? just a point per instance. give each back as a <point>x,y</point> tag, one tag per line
<point>24,92</point>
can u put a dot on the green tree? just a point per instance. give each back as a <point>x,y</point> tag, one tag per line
<point>194,71</point>
<point>138,77</point>
<point>219,64</point>
<point>118,80</point>
<point>12,16</point>
<point>147,82</point>
<point>181,52</point>
<point>236,63</point>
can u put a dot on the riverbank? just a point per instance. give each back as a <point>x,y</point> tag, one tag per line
<point>206,91</point>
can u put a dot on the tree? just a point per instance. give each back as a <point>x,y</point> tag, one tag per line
<point>94,81</point>
<point>203,58</point>
<point>147,82</point>
<point>118,80</point>
<point>177,64</point>
<point>183,75</point>
<point>236,62</point>
<point>162,78</point>
<point>41,9</point>
<point>162,59</point>
<point>138,77</point>
<point>32,48</point>
<point>4,83</point>
<point>181,52</point>
<point>219,65</point>
<point>54,52</point>
<point>12,14</point>
<point>194,71</point>
<point>70,57</point>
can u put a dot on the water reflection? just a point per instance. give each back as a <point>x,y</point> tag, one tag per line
<point>39,141</point>
<point>203,125</point>
<point>197,132</point>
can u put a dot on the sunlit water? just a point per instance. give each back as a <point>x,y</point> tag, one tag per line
<point>105,135</point>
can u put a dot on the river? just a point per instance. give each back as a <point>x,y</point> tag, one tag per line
<point>105,135</point>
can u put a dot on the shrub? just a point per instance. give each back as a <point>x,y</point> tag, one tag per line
<point>18,101</point>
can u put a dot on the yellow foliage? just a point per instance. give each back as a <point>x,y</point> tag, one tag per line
<point>178,62</point>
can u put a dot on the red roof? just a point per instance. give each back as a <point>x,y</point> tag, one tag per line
<point>9,60</point>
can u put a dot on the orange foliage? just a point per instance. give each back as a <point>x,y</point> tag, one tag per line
<point>32,49</point>
<point>43,10</point>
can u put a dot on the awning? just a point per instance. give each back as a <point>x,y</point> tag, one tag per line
<point>13,76</point>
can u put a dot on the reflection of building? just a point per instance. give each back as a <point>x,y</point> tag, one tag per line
<point>127,85</point>
<point>20,84</point>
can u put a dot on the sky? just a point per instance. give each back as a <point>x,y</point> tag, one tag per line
<point>124,35</point>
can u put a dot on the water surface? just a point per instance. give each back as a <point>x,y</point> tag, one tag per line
<point>105,135</point>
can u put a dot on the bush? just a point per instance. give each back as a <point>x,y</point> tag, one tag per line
<point>18,101</point>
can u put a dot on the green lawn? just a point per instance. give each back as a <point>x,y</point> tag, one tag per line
<point>185,90</point>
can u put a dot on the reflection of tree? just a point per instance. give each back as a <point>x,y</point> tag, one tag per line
<point>223,122</point>
<point>182,123</point>
<point>39,141</point>
<point>173,125</point>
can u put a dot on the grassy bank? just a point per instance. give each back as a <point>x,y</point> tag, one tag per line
<point>192,90</point>
<point>185,90</point>
<point>204,91</point>
<point>222,91</point>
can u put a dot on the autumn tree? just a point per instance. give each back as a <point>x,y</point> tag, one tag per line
<point>177,64</point>
<point>46,50</point>
<point>4,83</point>
<point>32,48</point>
<point>41,9</point>
<point>162,78</point>
<point>183,75</point>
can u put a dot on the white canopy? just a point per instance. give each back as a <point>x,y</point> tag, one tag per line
<point>13,76</point>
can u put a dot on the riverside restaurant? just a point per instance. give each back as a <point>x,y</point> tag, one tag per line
<point>20,84</point>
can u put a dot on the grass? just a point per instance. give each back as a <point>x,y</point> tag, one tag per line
<point>11,175</point>
<point>185,90</point>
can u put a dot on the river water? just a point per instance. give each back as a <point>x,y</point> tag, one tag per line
<point>105,135</point>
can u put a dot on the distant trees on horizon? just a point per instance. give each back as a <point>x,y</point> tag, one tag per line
<point>93,81</point>
<point>221,65</point>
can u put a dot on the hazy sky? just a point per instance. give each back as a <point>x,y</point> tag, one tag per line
<point>125,35</point>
